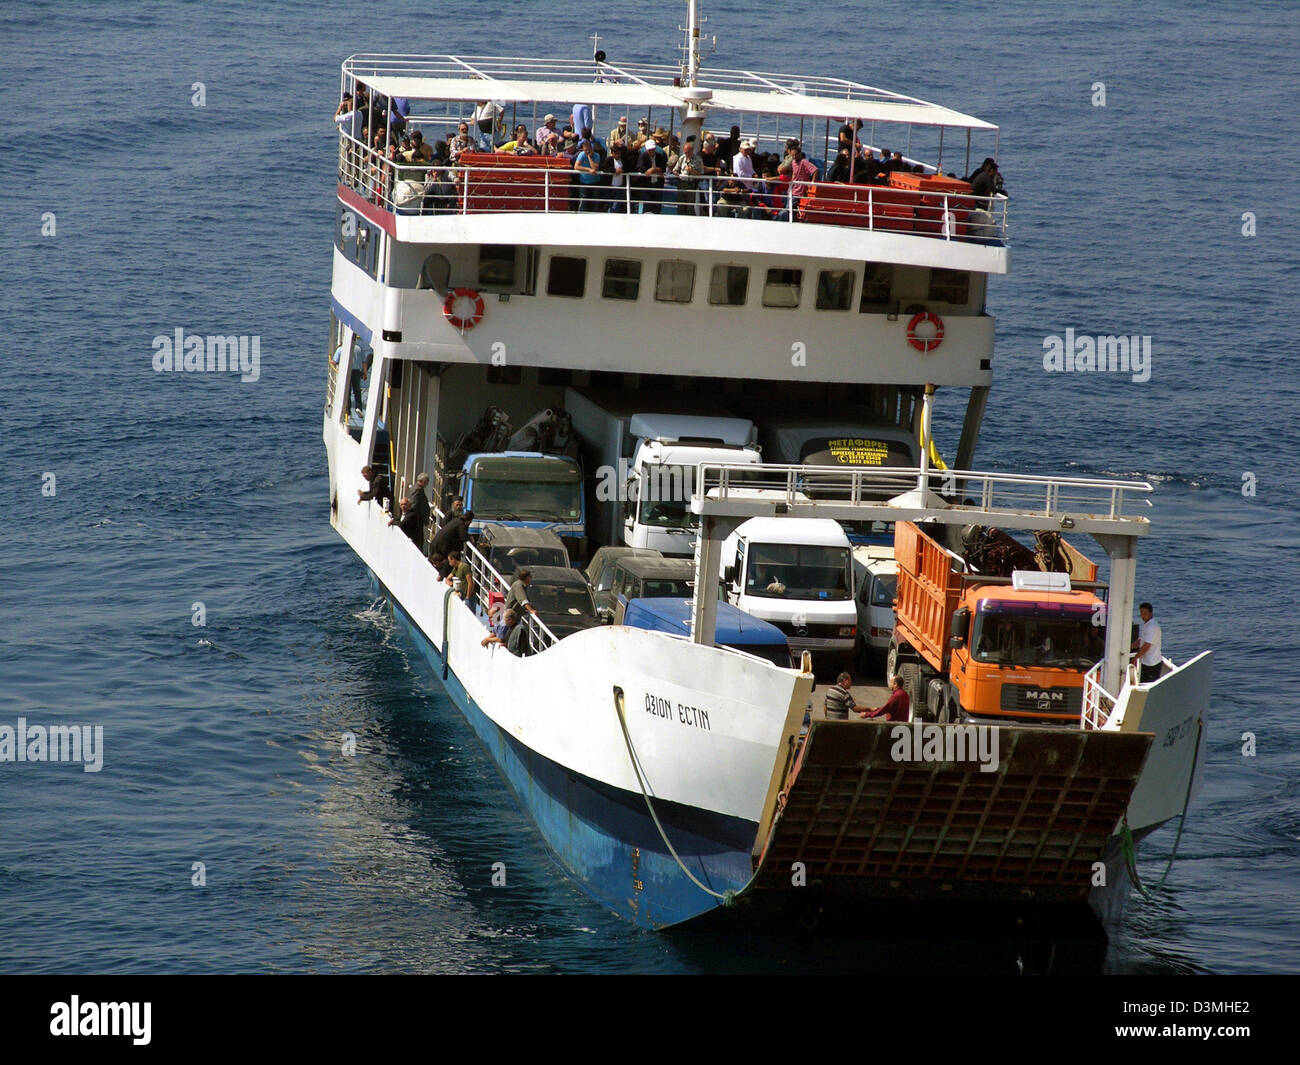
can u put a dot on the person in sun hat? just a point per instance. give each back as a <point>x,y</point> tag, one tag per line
<point>547,136</point>
<point>742,164</point>
<point>619,134</point>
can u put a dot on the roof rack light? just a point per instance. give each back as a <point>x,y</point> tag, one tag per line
<point>1030,580</point>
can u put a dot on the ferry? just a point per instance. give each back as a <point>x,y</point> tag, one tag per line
<point>575,335</point>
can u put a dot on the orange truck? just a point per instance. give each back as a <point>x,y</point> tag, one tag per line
<point>973,647</point>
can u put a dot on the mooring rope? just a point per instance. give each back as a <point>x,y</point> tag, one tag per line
<point>1182,818</point>
<point>727,897</point>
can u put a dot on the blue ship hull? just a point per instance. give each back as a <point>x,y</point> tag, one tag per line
<point>602,836</point>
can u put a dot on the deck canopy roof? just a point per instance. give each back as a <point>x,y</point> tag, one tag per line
<point>518,80</point>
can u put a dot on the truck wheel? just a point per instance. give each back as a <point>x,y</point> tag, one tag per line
<point>891,661</point>
<point>911,674</point>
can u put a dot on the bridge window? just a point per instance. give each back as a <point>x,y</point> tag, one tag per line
<point>496,265</point>
<point>877,283</point>
<point>675,282</point>
<point>622,279</point>
<point>950,286</point>
<point>729,286</point>
<point>784,288</point>
<point>835,290</point>
<point>568,277</point>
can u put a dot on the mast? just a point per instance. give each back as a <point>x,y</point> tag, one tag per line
<point>692,94</point>
<point>692,43</point>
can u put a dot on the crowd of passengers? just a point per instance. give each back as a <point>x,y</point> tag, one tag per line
<point>637,166</point>
<point>445,546</point>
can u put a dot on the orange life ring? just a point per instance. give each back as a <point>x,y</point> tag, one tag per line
<point>458,321</point>
<point>925,343</point>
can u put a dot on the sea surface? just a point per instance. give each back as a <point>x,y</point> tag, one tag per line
<point>226,832</point>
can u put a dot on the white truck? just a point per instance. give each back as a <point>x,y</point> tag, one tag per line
<point>796,573</point>
<point>875,573</point>
<point>641,464</point>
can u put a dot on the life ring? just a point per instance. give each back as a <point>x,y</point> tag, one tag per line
<point>466,322</point>
<point>925,343</point>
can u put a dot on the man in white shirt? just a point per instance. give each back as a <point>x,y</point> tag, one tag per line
<point>742,165</point>
<point>1147,645</point>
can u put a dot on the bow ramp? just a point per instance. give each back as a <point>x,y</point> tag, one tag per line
<point>948,811</point>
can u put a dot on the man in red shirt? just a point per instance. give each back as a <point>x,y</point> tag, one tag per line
<point>897,707</point>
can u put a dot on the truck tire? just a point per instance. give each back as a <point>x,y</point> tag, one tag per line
<point>911,674</point>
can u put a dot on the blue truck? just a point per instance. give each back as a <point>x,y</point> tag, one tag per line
<point>529,490</point>
<point>735,628</point>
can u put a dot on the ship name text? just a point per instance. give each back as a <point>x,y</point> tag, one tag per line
<point>685,715</point>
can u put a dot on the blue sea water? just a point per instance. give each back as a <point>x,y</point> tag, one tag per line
<point>222,741</point>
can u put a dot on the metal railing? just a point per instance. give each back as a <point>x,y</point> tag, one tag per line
<point>1097,701</point>
<point>972,491</point>
<point>486,581</point>
<point>429,188</point>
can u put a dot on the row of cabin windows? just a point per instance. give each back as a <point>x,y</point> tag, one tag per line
<point>729,285</point>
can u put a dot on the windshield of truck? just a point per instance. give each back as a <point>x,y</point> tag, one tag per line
<point>798,571</point>
<point>666,588</point>
<point>665,492</point>
<point>564,601</point>
<point>508,559</point>
<point>1042,634</point>
<point>884,589</point>
<point>523,490</point>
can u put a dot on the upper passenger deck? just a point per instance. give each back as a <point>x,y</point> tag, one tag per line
<point>484,184</point>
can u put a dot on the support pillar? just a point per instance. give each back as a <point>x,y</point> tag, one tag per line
<point>970,428</point>
<point>1122,551</point>
<point>708,559</point>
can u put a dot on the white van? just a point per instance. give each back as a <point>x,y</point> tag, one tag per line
<point>875,572</point>
<point>796,573</point>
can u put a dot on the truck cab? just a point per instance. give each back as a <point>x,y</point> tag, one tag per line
<point>527,489</point>
<point>1025,651</point>
<point>669,448</point>
<point>973,646</point>
<point>641,461</point>
<point>797,574</point>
